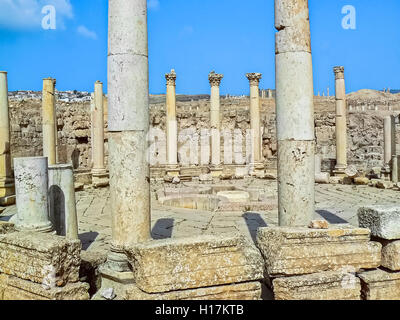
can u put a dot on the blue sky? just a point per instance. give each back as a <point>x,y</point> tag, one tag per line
<point>232,37</point>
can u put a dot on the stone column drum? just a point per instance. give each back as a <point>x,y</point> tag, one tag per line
<point>341,122</point>
<point>7,188</point>
<point>99,173</point>
<point>295,113</point>
<point>31,185</point>
<point>172,125</point>
<point>128,126</point>
<point>255,122</point>
<point>389,135</point>
<point>62,204</point>
<point>215,81</point>
<point>49,120</point>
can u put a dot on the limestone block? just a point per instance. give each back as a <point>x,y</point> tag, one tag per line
<point>6,227</point>
<point>36,256</point>
<point>331,285</point>
<point>235,292</point>
<point>361,180</point>
<point>391,255</point>
<point>12,288</point>
<point>383,221</point>
<point>196,262</point>
<point>384,184</point>
<point>380,285</point>
<point>300,250</point>
<point>322,177</point>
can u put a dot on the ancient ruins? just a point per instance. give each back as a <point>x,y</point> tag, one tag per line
<point>281,194</point>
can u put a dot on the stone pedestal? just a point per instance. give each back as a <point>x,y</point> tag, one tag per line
<point>31,185</point>
<point>341,123</point>
<point>7,187</point>
<point>295,113</point>
<point>49,121</point>
<point>62,202</point>
<point>128,126</point>
<point>256,166</point>
<point>99,173</point>
<point>215,81</point>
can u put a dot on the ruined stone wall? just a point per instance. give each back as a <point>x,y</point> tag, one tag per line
<point>365,125</point>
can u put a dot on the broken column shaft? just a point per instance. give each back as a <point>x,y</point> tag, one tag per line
<point>49,120</point>
<point>389,140</point>
<point>7,188</point>
<point>341,121</point>
<point>295,113</point>
<point>128,116</point>
<point>31,186</point>
<point>215,121</point>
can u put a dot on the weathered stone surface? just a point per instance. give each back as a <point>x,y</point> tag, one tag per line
<point>383,221</point>
<point>6,227</point>
<point>391,255</point>
<point>12,288</point>
<point>380,285</point>
<point>37,256</point>
<point>240,291</point>
<point>361,180</point>
<point>300,250</point>
<point>89,269</point>
<point>331,285</point>
<point>319,224</point>
<point>196,262</point>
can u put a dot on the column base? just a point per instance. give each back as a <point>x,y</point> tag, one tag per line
<point>172,170</point>
<point>340,171</point>
<point>45,228</point>
<point>257,169</point>
<point>119,282</point>
<point>216,171</point>
<point>386,173</point>
<point>100,178</point>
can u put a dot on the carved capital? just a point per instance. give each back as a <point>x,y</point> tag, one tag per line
<point>254,78</point>
<point>171,78</point>
<point>215,79</point>
<point>339,72</point>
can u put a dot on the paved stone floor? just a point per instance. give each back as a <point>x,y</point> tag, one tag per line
<point>335,203</point>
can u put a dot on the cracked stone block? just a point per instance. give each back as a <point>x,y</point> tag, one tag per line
<point>383,221</point>
<point>380,285</point>
<point>331,285</point>
<point>194,262</point>
<point>40,257</point>
<point>300,250</point>
<point>12,288</point>
<point>234,292</point>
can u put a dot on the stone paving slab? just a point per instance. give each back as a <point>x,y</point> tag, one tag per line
<point>335,203</point>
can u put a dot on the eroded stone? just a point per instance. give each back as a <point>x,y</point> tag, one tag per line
<point>383,221</point>
<point>380,285</point>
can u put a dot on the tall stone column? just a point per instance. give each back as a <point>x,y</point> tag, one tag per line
<point>31,185</point>
<point>62,204</point>
<point>99,173</point>
<point>128,126</point>
<point>255,122</point>
<point>7,188</point>
<point>341,122</point>
<point>295,113</point>
<point>215,121</point>
<point>49,120</point>
<point>172,126</point>
<point>389,128</point>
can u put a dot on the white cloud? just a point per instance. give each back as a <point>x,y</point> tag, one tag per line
<point>153,4</point>
<point>82,30</point>
<point>27,14</point>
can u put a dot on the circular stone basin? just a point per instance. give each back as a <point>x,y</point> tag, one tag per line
<point>235,196</point>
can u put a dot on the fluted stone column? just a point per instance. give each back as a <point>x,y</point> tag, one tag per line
<point>255,122</point>
<point>128,126</point>
<point>172,126</point>
<point>62,204</point>
<point>99,173</point>
<point>49,120</point>
<point>341,122</point>
<point>7,188</point>
<point>295,113</point>
<point>215,81</point>
<point>31,185</point>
